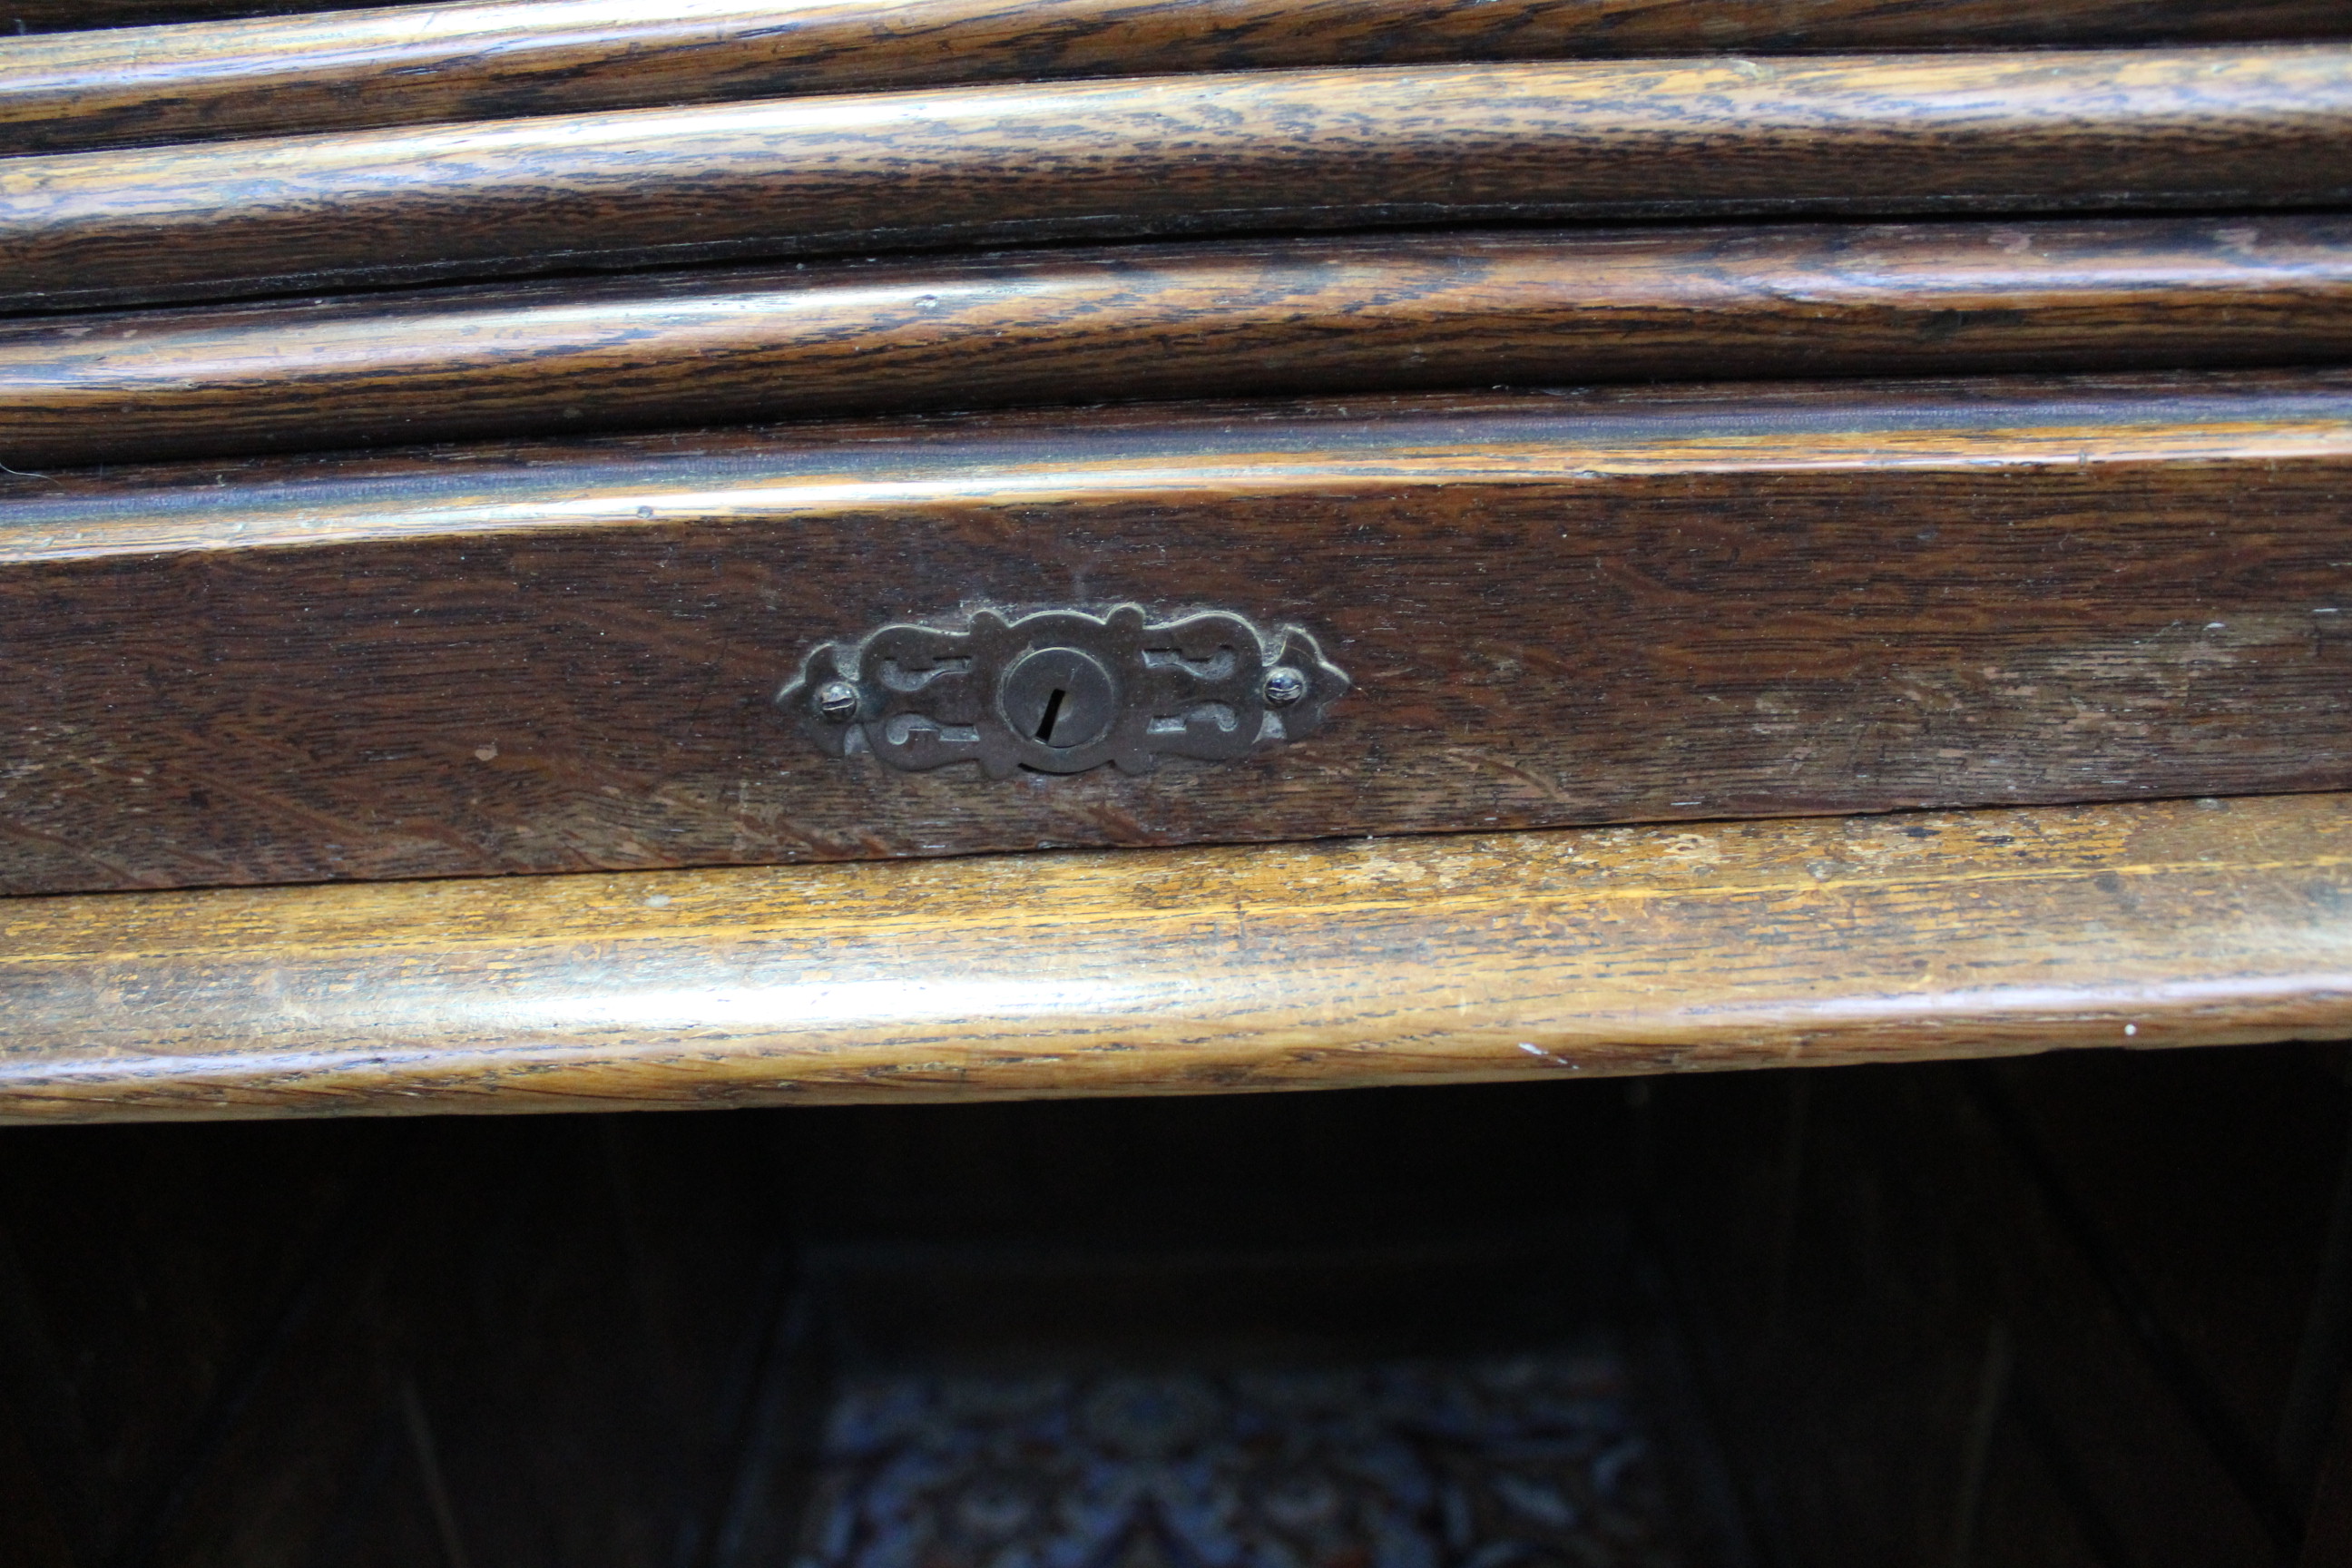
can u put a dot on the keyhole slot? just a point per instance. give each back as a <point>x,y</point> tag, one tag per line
<point>1059,698</point>
<point>1053,711</point>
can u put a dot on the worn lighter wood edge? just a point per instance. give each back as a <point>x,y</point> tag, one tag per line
<point>216,907</point>
<point>2226,962</point>
<point>1177,479</point>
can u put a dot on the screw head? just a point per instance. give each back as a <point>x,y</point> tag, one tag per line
<point>836,702</point>
<point>1283,686</point>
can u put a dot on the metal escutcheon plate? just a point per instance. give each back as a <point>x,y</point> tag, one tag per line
<point>1061,691</point>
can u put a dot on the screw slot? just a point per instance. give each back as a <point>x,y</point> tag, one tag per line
<point>836,702</point>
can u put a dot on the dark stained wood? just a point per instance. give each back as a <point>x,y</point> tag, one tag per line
<point>251,1330</point>
<point>1597,606</point>
<point>581,1304</point>
<point>2225,1295</point>
<point>571,1298</point>
<point>30,1529</point>
<point>418,64</point>
<point>598,1323</point>
<point>1447,958</point>
<point>74,15</point>
<point>1925,1299</point>
<point>1353,315</point>
<point>155,1330</point>
<point>2327,1537</point>
<point>2140,1307</point>
<point>1194,154</point>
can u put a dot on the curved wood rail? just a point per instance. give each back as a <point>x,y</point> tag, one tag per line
<point>488,60</point>
<point>1183,155</point>
<point>1202,970</point>
<point>1617,605</point>
<point>80,16</point>
<point>1340,315</point>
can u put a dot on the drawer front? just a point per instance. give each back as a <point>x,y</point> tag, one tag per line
<point>1637,607</point>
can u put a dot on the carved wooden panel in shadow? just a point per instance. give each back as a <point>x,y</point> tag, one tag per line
<point>589,1341</point>
<point>2040,1312</point>
<point>285,1350</point>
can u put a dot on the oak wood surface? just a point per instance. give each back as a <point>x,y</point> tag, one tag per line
<point>1192,154</point>
<point>1629,950</point>
<point>1357,314</point>
<point>469,60</point>
<point>76,15</point>
<point>1602,605</point>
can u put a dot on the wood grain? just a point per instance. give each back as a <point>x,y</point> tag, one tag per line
<point>76,15</point>
<point>1194,155</point>
<point>1605,606</point>
<point>1635,949</point>
<point>1354,315</point>
<point>418,64</point>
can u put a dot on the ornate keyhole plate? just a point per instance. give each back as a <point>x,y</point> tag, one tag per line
<point>1060,691</point>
